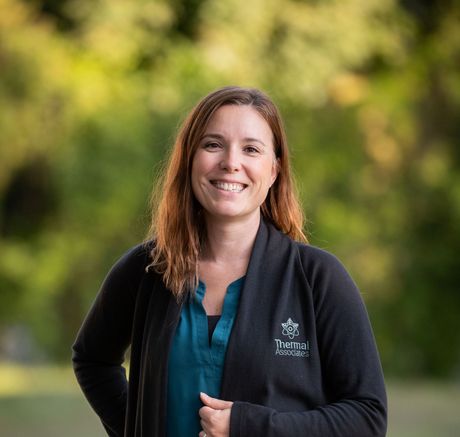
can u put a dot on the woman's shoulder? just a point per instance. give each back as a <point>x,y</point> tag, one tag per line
<point>318,262</point>
<point>310,255</point>
<point>311,252</point>
<point>140,250</point>
<point>134,260</point>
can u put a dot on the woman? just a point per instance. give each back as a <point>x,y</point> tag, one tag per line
<point>236,326</point>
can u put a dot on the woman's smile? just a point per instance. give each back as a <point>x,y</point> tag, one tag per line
<point>233,187</point>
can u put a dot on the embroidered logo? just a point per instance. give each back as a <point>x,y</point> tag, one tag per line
<point>300,349</point>
<point>290,328</point>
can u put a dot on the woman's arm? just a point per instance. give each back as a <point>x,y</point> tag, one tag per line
<point>99,349</point>
<point>352,377</point>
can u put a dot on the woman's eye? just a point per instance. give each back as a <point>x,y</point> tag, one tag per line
<point>251,149</point>
<point>211,146</point>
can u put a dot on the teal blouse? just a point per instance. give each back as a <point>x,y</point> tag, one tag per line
<point>195,364</point>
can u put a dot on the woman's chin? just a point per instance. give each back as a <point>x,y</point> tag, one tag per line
<point>231,214</point>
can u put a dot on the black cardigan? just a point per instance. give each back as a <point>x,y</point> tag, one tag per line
<point>301,359</point>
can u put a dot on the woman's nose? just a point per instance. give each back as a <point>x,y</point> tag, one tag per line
<point>230,161</point>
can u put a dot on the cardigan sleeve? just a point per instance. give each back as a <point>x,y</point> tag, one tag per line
<point>352,374</point>
<point>101,343</point>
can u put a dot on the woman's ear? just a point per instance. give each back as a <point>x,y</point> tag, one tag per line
<point>275,170</point>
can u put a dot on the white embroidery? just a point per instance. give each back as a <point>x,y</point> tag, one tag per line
<point>300,349</point>
<point>290,328</point>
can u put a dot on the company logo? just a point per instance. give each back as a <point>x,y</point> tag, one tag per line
<point>300,349</point>
<point>290,328</point>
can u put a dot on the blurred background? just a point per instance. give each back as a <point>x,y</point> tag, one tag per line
<point>91,95</point>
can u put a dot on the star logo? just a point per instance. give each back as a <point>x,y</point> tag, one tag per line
<point>290,328</point>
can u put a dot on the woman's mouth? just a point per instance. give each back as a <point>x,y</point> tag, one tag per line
<point>233,187</point>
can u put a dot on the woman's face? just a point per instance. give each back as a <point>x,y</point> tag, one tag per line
<point>234,165</point>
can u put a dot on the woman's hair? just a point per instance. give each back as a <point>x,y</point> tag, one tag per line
<point>177,226</point>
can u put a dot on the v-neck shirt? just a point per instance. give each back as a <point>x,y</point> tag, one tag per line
<point>197,359</point>
<point>212,323</point>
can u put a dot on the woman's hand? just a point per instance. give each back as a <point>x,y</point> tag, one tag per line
<point>215,417</point>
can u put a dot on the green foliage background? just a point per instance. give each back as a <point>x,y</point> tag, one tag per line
<point>91,93</point>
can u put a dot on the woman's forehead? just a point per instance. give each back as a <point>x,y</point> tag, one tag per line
<point>239,121</point>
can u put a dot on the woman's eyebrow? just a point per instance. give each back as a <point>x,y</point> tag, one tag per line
<point>211,135</point>
<point>252,140</point>
<point>221,137</point>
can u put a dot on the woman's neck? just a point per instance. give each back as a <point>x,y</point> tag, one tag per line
<point>230,240</point>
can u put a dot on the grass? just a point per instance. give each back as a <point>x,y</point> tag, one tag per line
<point>423,409</point>
<point>47,415</point>
<point>46,401</point>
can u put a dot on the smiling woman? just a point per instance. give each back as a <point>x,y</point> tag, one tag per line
<point>237,327</point>
<point>240,131</point>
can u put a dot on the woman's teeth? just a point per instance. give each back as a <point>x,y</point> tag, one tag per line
<point>233,187</point>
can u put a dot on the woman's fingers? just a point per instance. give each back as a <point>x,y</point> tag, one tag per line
<point>216,404</point>
<point>215,416</point>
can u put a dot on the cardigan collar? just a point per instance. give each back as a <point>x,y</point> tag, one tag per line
<point>268,259</point>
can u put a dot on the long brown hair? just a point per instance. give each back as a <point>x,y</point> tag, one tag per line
<point>177,226</point>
